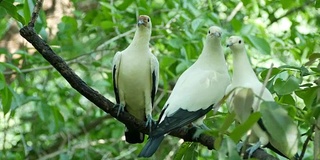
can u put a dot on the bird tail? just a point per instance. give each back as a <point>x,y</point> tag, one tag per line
<point>133,136</point>
<point>151,146</point>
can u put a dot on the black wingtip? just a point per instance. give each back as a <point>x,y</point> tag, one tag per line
<point>151,146</point>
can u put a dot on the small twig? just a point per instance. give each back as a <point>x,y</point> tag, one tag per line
<point>305,144</point>
<point>115,38</point>
<point>35,13</point>
<point>234,11</point>
<point>69,61</point>
<point>264,85</point>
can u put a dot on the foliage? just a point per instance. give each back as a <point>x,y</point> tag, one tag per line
<point>42,117</point>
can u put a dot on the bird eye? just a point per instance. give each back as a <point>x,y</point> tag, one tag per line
<point>148,20</point>
<point>239,41</point>
<point>209,32</point>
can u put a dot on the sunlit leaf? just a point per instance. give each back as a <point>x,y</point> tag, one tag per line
<point>243,128</point>
<point>287,86</point>
<point>261,44</point>
<point>308,95</point>
<point>12,10</point>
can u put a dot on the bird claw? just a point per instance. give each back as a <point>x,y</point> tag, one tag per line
<point>149,122</point>
<point>204,127</point>
<point>120,109</point>
<point>200,129</point>
<point>239,146</point>
<point>253,148</point>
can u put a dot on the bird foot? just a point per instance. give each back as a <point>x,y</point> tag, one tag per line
<point>200,129</point>
<point>239,146</point>
<point>120,109</point>
<point>253,148</point>
<point>204,127</point>
<point>150,122</point>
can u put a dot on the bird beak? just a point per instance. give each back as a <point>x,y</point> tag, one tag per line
<point>229,44</point>
<point>217,34</point>
<point>141,22</point>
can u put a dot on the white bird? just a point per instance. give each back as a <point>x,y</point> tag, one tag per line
<point>245,77</point>
<point>135,78</point>
<point>200,87</point>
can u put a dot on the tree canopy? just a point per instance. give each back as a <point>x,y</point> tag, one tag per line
<point>43,117</point>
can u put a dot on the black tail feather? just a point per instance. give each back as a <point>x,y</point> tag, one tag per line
<point>151,146</point>
<point>133,136</point>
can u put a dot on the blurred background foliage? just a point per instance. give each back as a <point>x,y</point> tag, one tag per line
<point>42,117</point>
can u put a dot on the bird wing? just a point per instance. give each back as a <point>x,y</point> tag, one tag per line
<point>115,73</point>
<point>179,119</point>
<point>154,77</point>
<point>193,96</point>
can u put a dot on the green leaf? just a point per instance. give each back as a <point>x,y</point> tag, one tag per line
<point>11,66</point>
<point>283,87</point>
<point>261,44</point>
<point>6,99</point>
<point>287,99</point>
<point>242,103</point>
<point>3,82</point>
<point>27,11</point>
<point>107,24</point>
<point>308,95</point>
<point>227,122</point>
<point>312,58</point>
<point>284,133</point>
<point>125,5</point>
<point>274,71</point>
<point>246,2</point>
<point>58,118</point>
<point>12,10</point>
<point>317,4</point>
<point>243,128</point>
<point>182,66</point>
<point>285,4</point>
<point>3,13</point>
<point>175,43</point>
<point>187,151</point>
<point>196,23</point>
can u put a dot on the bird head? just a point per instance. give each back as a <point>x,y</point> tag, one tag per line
<point>235,42</point>
<point>144,21</point>
<point>214,32</point>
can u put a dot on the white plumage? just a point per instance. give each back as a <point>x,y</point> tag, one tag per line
<point>244,77</point>
<point>135,78</point>
<point>196,91</point>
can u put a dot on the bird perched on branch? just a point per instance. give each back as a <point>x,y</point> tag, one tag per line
<point>275,129</point>
<point>200,87</point>
<point>135,78</point>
